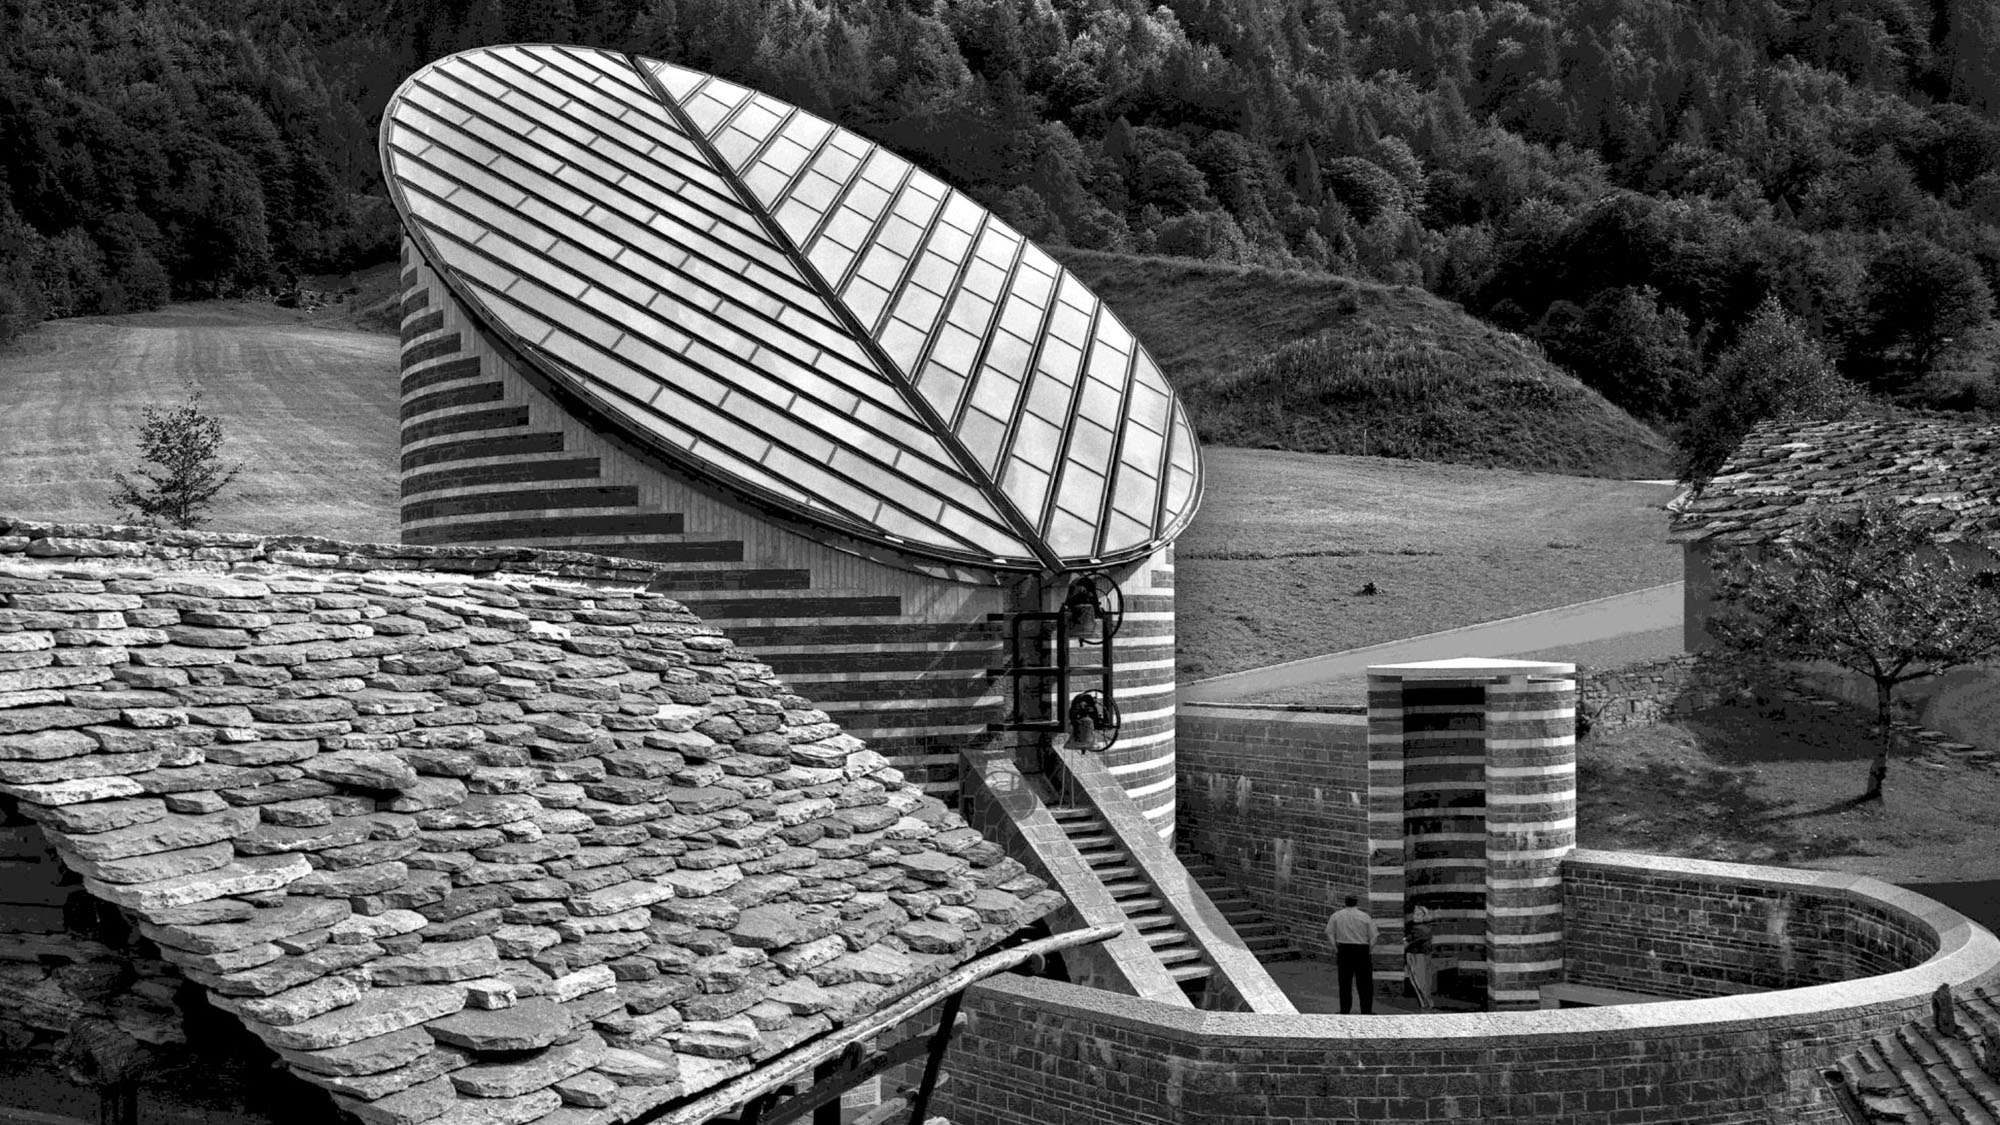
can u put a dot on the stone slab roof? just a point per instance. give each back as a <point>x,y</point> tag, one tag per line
<point>1944,472</point>
<point>470,849</point>
<point>1927,1074</point>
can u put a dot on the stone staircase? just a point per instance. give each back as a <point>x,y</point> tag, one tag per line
<point>1925,1073</point>
<point>1910,736</point>
<point>1141,905</point>
<point>1260,935</point>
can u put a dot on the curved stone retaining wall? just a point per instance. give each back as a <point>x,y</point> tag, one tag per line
<point>1035,1044</point>
<point>1689,928</point>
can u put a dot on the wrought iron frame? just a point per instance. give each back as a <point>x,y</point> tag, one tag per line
<point>1097,589</point>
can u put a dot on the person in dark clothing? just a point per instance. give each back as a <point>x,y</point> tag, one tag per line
<point>1417,956</point>
<point>1354,934</point>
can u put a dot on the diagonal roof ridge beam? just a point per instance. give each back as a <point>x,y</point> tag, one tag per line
<point>1029,535</point>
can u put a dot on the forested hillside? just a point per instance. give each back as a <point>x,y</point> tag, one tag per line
<point>1623,181</point>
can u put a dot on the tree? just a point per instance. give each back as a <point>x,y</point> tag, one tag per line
<point>1365,188</point>
<point>1869,591</point>
<point>1775,369</point>
<point>1630,346</point>
<point>1919,299</point>
<point>1970,53</point>
<point>184,444</point>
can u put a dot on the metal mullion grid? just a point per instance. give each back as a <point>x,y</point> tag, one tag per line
<point>1172,436</point>
<point>969,469</point>
<point>530,86</point>
<point>512,342</point>
<point>509,60</point>
<point>839,197</point>
<point>1117,466</point>
<point>767,402</point>
<point>586,57</point>
<point>944,310</point>
<point>992,321</point>
<point>929,230</point>
<point>784,196</point>
<point>1030,372</point>
<point>635,167</point>
<point>1062,466</point>
<point>666,267</point>
<point>635,170</point>
<point>875,229</point>
<point>865,489</point>
<point>635,251</point>
<point>942,465</point>
<point>770,139</point>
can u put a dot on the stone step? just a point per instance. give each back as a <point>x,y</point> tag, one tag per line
<point>1197,971</point>
<point>1263,938</point>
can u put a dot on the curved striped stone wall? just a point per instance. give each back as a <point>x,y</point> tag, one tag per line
<point>898,654</point>
<point>896,649</point>
<point>1444,813</point>
<point>1143,758</point>
<point>1530,828</point>
<point>1471,809</point>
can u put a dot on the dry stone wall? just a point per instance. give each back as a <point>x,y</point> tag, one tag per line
<point>468,849</point>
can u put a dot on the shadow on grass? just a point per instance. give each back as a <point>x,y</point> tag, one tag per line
<point>1792,732</point>
<point>1832,808</point>
<point>1713,809</point>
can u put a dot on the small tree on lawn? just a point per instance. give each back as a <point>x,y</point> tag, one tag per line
<point>181,470</point>
<point>1870,592</point>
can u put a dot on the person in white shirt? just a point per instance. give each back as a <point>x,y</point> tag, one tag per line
<point>1354,934</point>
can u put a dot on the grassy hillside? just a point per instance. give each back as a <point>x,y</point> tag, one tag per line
<point>309,409</point>
<point>1269,570</point>
<point>1319,364</point>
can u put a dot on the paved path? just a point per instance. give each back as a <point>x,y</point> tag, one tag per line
<point>1654,612</point>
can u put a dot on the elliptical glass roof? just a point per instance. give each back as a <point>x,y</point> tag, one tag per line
<point>777,304</point>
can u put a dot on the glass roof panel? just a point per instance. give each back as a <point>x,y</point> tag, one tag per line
<point>762,295</point>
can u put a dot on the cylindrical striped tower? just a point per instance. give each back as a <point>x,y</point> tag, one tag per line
<point>1530,827</point>
<point>653,314</point>
<point>1142,759</point>
<point>1472,806</point>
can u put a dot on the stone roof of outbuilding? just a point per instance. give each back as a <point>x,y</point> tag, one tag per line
<point>1942,472</point>
<point>1925,1074</point>
<point>478,849</point>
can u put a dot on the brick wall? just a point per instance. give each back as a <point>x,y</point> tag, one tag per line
<point>1038,1050</point>
<point>1275,800</point>
<point>1676,927</point>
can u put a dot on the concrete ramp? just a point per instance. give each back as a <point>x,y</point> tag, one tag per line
<point>1078,829</point>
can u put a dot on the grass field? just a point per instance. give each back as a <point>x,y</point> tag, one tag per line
<point>309,410</point>
<point>1732,784</point>
<point>1269,571</point>
<point>1273,566</point>
<point>1321,364</point>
